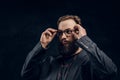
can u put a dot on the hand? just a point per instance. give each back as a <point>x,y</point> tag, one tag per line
<point>79,31</point>
<point>47,36</point>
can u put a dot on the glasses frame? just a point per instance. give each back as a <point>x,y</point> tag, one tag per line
<point>60,32</point>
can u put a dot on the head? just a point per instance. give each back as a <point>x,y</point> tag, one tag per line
<point>66,25</point>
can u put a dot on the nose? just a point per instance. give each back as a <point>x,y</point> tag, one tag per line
<point>63,36</point>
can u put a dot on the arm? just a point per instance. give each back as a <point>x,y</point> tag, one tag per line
<point>103,66</point>
<point>37,64</point>
<point>31,69</point>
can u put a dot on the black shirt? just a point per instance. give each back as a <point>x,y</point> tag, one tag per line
<point>90,64</point>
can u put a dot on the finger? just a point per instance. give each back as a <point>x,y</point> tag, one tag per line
<point>42,37</point>
<point>54,33</point>
<point>75,35</point>
<point>81,28</point>
<point>78,26</point>
<point>48,33</point>
<point>83,31</point>
<point>52,30</point>
<point>77,29</point>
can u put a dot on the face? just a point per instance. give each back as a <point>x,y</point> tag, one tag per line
<point>66,38</point>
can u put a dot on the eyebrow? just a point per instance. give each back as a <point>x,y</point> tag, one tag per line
<point>65,29</point>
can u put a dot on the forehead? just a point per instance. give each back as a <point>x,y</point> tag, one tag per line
<point>70,23</point>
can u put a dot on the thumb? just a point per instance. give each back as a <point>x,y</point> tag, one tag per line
<point>75,35</point>
<point>54,33</point>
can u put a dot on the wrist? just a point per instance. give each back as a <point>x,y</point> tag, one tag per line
<point>44,45</point>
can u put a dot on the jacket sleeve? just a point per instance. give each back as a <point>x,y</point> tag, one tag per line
<point>32,65</point>
<point>102,65</point>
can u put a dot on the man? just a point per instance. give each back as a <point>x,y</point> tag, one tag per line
<point>80,58</point>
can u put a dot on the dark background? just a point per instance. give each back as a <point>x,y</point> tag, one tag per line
<point>21,24</point>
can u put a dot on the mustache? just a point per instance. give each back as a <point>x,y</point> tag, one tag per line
<point>64,40</point>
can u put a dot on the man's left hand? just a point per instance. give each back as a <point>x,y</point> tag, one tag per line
<point>79,31</point>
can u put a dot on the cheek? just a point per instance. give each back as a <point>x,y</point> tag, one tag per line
<point>68,38</point>
<point>60,39</point>
<point>71,38</point>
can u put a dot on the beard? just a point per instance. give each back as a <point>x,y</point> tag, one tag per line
<point>68,49</point>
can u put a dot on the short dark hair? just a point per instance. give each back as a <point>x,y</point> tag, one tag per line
<point>66,17</point>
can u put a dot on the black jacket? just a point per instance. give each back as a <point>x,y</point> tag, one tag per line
<point>90,64</point>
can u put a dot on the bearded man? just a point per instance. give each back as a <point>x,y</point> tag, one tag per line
<point>80,58</point>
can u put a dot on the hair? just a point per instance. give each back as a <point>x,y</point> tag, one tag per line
<point>73,17</point>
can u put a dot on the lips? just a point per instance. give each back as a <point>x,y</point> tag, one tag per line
<point>64,42</point>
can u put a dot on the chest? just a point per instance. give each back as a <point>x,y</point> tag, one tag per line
<point>73,70</point>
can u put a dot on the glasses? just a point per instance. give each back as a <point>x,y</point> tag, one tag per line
<point>67,32</point>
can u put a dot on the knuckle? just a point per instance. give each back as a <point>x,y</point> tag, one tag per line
<point>49,28</point>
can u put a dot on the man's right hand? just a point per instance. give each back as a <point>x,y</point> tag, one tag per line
<point>47,36</point>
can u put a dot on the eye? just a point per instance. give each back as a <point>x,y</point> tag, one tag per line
<point>68,31</point>
<point>59,33</point>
